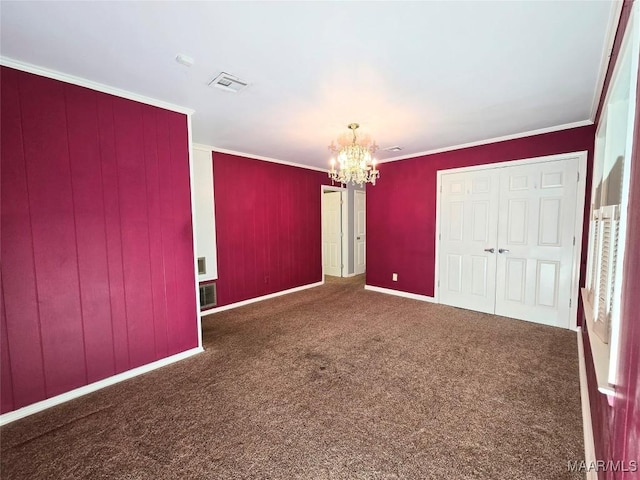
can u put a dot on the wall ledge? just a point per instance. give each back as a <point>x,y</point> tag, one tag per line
<point>600,351</point>
<point>92,387</point>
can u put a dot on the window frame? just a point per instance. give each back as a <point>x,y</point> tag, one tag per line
<point>610,142</point>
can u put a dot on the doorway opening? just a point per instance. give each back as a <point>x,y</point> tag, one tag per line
<point>335,252</point>
<point>360,230</point>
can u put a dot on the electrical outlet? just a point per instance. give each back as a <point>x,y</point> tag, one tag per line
<point>394,277</point>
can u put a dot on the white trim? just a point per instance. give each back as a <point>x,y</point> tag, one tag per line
<point>578,226</point>
<point>259,299</point>
<point>344,213</point>
<point>514,136</point>
<point>265,159</point>
<point>400,293</point>
<point>346,275</point>
<point>205,213</point>
<point>202,147</point>
<point>436,263</point>
<point>612,28</point>
<point>193,232</point>
<point>600,351</point>
<point>512,163</point>
<point>92,387</point>
<point>587,427</point>
<point>83,82</point>
<point>581,192</point>
<point>354,221</point>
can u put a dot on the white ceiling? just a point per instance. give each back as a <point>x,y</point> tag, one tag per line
<point>422,75</point>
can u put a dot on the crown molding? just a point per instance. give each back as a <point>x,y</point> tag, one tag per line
<point>610,37</point>
<point>83,82</point>
<point>514,136</point>
<point>259,157</point>
<point>202,146</point>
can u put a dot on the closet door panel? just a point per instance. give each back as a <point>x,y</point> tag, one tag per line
<point>537,209</point>
<point>468,224</point>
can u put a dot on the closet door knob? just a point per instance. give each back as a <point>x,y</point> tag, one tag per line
<point>490,250</point>
<point>503,250</point>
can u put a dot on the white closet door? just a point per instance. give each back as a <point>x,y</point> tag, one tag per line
<point>537,211</point>
<point>468,228</point>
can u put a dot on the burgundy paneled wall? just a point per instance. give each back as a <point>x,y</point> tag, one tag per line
<point>268,227</point>
<point>97,252</point>
<point>401,208</point>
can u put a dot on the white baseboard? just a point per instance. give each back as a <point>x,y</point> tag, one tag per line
<point>589,445</point>
<point>92,387</point>
<point>259,299</point>
<point>347,275</point>
<point>399,293</point>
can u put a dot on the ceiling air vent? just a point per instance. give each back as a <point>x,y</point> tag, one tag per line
<point>395,148</point>
<point>228,82</point>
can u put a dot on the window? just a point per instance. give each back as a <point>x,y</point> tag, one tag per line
<point>609,204</point>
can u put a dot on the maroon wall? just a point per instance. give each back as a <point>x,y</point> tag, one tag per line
<point>268,228</point>
<point>401,208</point>
<point>97,253</point>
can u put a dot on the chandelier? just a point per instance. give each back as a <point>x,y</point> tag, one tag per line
<point>355,163</point>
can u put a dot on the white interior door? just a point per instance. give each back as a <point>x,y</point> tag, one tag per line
<point>360,246</point>
<point>332,233</point>
<point>468,229</point>
<point>536,240</point>
<point>507,239</point>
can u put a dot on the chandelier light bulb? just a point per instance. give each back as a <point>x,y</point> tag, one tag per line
<point>357,166</point>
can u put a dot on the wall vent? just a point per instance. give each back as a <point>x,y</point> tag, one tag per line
<point>202,265</point>
<point>228,82</point>
<point>208,297</point>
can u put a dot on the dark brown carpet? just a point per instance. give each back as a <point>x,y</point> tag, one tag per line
<point>334,382</point>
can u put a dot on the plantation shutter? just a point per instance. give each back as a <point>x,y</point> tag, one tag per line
<point>594,255</point>
<point>603,293</point>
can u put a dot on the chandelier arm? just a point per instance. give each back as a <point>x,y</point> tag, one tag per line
<point>355,163</point>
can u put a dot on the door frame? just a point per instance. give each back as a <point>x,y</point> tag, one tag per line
<point>580,204</point>
<point>355,234</point>
<point>344,214</point>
